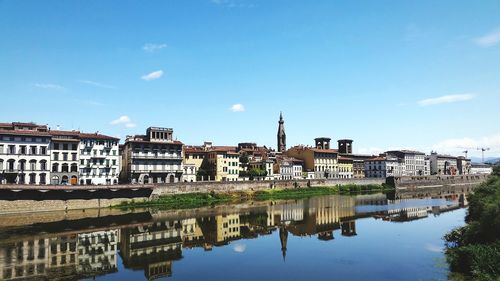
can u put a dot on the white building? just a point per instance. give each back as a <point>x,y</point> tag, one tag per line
<point>64,157</point>
<point>480,168</point>
<point>97,251</point>
<point>382,167</point>
<point>99,159</point>
<point>443,164</point>
<point>24,153</point>
<point>152,158</point>
<point>413,161</point>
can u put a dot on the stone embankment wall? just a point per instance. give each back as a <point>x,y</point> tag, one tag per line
<point>435,185</point>
<point>26,204</point>
<point>413,185</point>
<point>29,206</point>
<point>235,186</point>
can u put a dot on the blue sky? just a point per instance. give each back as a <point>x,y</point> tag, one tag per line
<point>388,74</point>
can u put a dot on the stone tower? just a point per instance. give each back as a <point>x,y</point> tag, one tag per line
<point>281,135</point>
<point>345,146</point>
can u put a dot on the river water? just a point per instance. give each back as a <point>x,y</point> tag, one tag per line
<point>363,237</point>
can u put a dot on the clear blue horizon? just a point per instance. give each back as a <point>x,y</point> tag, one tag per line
<point>389,74</point>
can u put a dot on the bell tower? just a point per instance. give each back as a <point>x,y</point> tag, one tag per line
<point>281,134</point>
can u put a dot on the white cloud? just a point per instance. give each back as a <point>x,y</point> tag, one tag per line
<point>490,39</point>
<point>237,108</point>
<point>49,86</point>
<point>123,120</point>
<point>97,84</point>
<point>433,248</point>
<point>153,75</point>
<point>239,248</point>
<point>457,145</point>
<point>151,47</point>
<point>446,99</point>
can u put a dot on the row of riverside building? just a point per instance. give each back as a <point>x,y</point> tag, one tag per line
<point>35,154</point>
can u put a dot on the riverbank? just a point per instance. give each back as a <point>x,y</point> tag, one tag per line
<point>473,251</point>
<point>196,200</point>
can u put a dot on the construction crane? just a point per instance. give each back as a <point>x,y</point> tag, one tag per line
<point>465,151</point>
<point>483,149</point>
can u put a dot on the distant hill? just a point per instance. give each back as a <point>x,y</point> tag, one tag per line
<point>492,160</point>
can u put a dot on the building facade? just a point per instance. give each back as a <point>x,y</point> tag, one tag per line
<point>99,159</point>
<point>413,161</point>
<point>152,158</point>
<point>321,160</point>
<point>443,164</point>
<point>382,167</point>
<point>224,163</point>
<point>345,167</point>
<point>24,153</point>
<point>65,157</point>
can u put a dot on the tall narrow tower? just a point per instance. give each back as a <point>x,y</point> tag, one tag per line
<point>281,135</point>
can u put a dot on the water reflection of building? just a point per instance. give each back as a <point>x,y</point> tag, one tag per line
<point>59,256</point>
<point>24,259</point>
<point>156,244</point>
<point>97,252</point>
<point>152,248</point>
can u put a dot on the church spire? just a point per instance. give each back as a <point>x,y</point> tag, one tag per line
<point>281,134</point>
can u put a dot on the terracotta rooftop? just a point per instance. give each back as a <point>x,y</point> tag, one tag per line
<point>324,150</point>
<point>24,133</point>
<point>154,142</point>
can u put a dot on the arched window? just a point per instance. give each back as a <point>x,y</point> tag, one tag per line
<point>74,167</point>
<point>55,168</point>
<point>33,165</point>
<point>11,163</point>
<point>65,168</point>
<point>22,165</point>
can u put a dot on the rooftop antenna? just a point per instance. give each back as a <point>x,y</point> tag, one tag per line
<point>483,149</point>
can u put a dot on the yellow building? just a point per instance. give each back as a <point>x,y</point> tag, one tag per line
<point>345,167</point>
<point>228,227</point>
<point>321,160</point>
<point>223,163</point>
<point>194,156</point>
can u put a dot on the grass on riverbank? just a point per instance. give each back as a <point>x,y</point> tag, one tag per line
<point>186,201</point>
<point>196,200</point>
<point>300,193</point>
<point>474,250</point>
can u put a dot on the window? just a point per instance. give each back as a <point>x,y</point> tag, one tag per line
<point>43,150</point>
<point>22,149</point>
<point>65,156</point>
<point>73,156</point>
<point>55,156</point>
<point>65,168</point>
<point>65,146</point>
<point>55,167</point>
<point>43,165</point>
<point>33,150</point>
<point>56,146</point>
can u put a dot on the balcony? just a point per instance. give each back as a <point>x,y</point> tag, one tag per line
<point>160,157</point>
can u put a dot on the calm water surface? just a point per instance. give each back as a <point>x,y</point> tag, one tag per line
<point>365,237</point>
